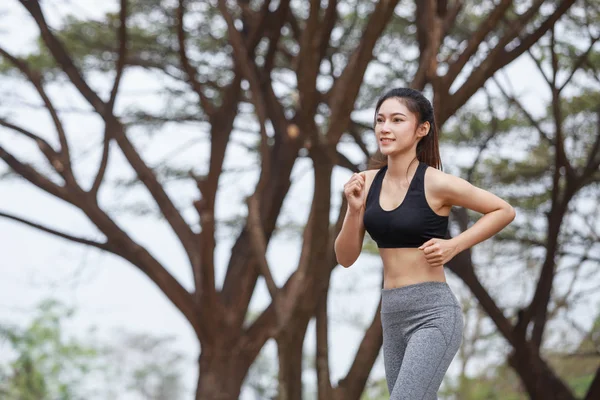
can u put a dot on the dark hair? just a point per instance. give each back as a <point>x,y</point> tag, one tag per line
<point>428,150</point>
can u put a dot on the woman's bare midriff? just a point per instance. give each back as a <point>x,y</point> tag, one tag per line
<point>407,266</point>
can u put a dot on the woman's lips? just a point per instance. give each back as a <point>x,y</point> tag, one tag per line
<point>386,140</point>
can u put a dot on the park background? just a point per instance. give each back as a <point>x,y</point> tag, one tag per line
<point>171,188</point>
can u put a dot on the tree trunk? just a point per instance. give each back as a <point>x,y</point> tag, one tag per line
<point>221,373</point>
<point>290,345</point>
<point>539,381</point>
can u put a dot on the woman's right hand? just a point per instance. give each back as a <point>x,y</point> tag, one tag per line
<point>354,190</point>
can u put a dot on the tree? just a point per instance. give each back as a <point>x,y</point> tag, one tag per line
<point>146,364</point>
<point>552,191</point>
<point>44,363</point>
<point>231,57</point>
<point>576,368</point>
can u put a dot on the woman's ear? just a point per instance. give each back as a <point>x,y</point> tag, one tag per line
<point>423,129</point>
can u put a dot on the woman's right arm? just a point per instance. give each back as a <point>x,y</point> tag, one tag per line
<point>348,243</point>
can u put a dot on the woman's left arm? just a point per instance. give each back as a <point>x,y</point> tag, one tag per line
<point>455,191</point>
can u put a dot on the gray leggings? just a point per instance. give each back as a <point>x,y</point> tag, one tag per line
<point>422,331</point>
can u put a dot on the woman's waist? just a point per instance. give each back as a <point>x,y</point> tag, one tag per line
<point>401,254</point>
<point>418,296</point>
<point>407,261</point>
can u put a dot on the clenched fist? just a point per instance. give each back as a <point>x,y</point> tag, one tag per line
<point>439,251</point>
<point>354,190</point>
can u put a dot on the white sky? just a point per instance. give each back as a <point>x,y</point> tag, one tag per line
<point>110,293</point>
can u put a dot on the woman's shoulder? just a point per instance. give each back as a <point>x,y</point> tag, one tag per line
<point>435,173</point>
<point>369,172</point>
<point>438,180</point>
<point>369,175</point>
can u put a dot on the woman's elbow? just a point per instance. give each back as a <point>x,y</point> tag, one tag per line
<point>340,260</point>
<point>347,250</point>
<point>344,263</point>
<point>510,213</point>
<point>343,259</point>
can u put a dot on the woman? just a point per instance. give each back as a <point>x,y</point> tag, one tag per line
<point>404,205</point>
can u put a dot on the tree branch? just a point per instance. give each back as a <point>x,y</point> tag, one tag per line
<point>259,247</point>
<point>221,126</point>
<point>250,72</point>
<point>429,35</point>
<point>274,34</point>
<point>262,329</point>
<point>462,266</point>
<point>538,308</point>
<point>343,161</point>
<point>122,55</point>
<point>241,278</point>
<point>324,388</point>
<point>483,145</point>
<point>557,114</point>
<point>103,246</point>
<point>62,57</point>
<point>295,26</point>
<point>353,131</point>
<point>500,57</point>
<point>450,17</point>
<point>368,350</point>
<point>529,117</point>
<point>475,41</point>
<point>182,230</point>
<point>51,155</point>
<point>593,161</point>
<point>342,95</point>
<point>309,61</point>
<point>538,64</point>
<point>34,176</point>
<point>581,60</point>
<point>36,80</point>
<point>122,61</point>
<point>316,232</point>
<point>137,255</point>
<point>247,67</point>
<point>103,162</point>
<point>532,38</point>
<point>148,178</point>
<point>185,62</point>
<point>326,27</point>
<point>118,242</point>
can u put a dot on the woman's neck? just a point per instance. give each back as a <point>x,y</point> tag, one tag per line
<point>402,166</point>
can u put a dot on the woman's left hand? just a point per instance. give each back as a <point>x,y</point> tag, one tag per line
<point>438,251</point>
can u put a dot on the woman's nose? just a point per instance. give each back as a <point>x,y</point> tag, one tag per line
<point>385,127</point>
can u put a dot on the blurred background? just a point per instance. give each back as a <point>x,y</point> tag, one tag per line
<point>171,186</point>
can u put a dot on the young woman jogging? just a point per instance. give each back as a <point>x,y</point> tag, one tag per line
<point>404,204</point>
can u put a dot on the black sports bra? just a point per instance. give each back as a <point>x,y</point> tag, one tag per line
<point>410,224</point>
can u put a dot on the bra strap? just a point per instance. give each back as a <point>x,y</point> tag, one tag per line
<point>375,188</point>
<point>421,170</point>
<point>420,177</point>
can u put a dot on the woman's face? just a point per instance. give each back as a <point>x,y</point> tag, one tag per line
<point>396,128</point>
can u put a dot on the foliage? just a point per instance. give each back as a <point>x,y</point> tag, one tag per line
<point>44,363</point>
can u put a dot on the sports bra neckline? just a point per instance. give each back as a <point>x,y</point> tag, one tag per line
<point>410,186</point>
<point>411,223</point>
